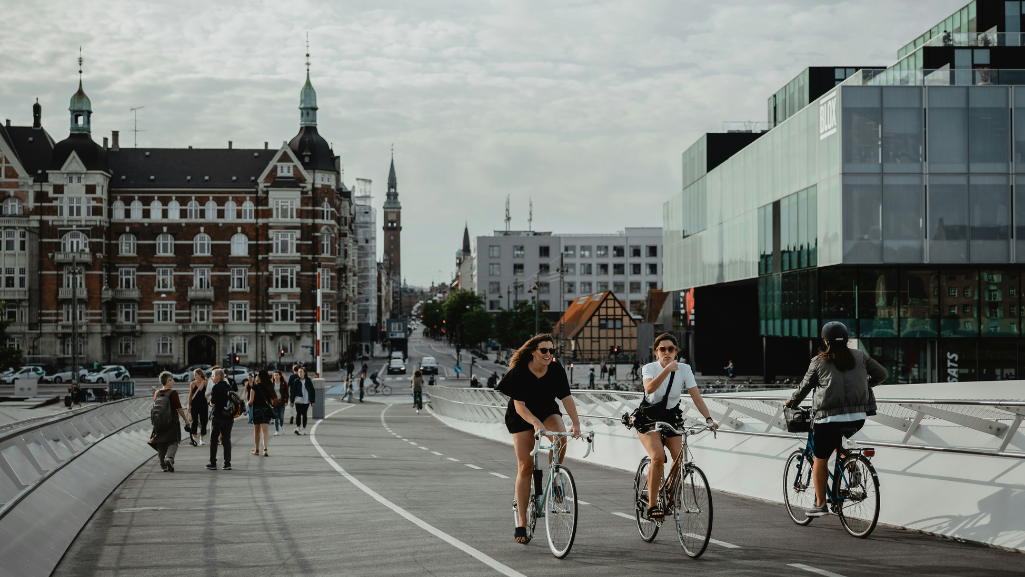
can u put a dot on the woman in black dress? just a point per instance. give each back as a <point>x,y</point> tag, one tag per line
<point>535,380</point>
<point>260,396</point>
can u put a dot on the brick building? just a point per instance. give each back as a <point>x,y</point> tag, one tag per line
<point>188,253</point>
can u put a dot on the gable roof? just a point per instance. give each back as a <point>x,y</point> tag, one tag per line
<point>33,147</point>
<point>581,311</point>
<point>653,307</point>
<point>170,167</point>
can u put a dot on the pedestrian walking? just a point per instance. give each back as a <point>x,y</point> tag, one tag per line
<point>349,367</point>
<point>167,429</point>
<point>348,390</point>
<point>492,380</point>
<point>729,369</point>
<point>365,368</point>
<point>302,397</point>
<point>260,396</point>
<point>603,369</point>
<point>279,402</point>
<point>250,382</point>
<point>612,373</point>
<point>417,384</point>
<point>221,420</point>
<point>474,383</point>
<point>362,377</point>
<point>197,406</point>
<point>590,378</point>
<point>291,378</point>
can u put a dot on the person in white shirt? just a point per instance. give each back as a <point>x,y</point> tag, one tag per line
<point>664,382</point>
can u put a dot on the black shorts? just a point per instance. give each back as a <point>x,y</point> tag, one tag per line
<point>672,416</point>
<point>515,423</point>
<point>826,436</point>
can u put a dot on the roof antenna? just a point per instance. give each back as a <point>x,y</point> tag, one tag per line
<point>80,67</point>
<point>135,121</point>
<point>530,218</point>
<point>508,219</point>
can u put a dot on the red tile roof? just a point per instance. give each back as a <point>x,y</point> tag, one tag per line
<point>581,311</point>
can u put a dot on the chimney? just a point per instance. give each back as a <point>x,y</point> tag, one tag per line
<point>37,115</point>
<point>229,145</point>
<point>265,145</point>
<point>113,140</point>
<point>104,143</point>
<point>8,122</point>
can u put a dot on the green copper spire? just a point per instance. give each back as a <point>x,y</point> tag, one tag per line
<point>80,108</point>
<point>308,96</point>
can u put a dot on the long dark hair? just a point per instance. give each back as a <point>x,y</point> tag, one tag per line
<point>838,354</point>
<point>282,385</point>
<point>523,353</point>
<point>263,377</point>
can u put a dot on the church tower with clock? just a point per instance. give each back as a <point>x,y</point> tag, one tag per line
<point>393,240</point>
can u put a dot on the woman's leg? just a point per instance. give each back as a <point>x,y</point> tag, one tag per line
<point>202,418</point>
<point>256,438</point>
<point>555,423</point>
<point>265,428</point>
<point>523,443</point>
<point>656,452</point>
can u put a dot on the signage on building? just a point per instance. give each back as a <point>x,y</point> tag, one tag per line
<point>827,115</point>
<point>952,368</point>
<point>396,329</point>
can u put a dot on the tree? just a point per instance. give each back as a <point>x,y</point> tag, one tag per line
<point>433,315</point>
<point>515,326</point>
<point>10,357</point>
<point>457,304</point>
<point>476,327</point>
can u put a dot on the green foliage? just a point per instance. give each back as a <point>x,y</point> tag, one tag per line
<point>433,315</point>
<point>516,326</point>
<point>457,304</point>
<point>10,357</point>
<point>476,327</point>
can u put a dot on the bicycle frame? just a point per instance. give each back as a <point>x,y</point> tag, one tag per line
<point>668,485</point>
<point>539,504</point>
<point>835,476</point>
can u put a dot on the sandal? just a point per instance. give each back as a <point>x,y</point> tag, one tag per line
<point>265,453</point>
<point>253,451</point>
<point>656,513</point>
<point>521,533</point>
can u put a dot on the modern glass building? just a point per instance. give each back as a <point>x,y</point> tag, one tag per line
<point>894,202</point>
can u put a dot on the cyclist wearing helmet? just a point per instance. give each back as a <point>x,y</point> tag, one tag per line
<point>842,378</point>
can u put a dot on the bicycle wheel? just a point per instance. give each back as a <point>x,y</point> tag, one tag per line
<point>798,492</point>
<point>561,512</point>
<point>385,390</point>
<point>371,391</point>
<point>645,526</point>
<point>859,492</point>
<point>693,511</point>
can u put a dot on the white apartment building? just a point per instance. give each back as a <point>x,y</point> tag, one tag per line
<point>509,263</point>
<point>366,253</point>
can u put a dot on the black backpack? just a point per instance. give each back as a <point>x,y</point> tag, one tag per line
<point>161,414</point>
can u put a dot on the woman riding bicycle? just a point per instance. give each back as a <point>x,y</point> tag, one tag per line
<point>843,400</point>
<point>533,383</point>
<point>664,382</point>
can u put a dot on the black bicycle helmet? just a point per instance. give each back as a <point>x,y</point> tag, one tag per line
<point>834,332</point>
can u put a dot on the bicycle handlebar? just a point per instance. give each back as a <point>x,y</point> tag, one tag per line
<point>586,436</point>
<point>659,425</point>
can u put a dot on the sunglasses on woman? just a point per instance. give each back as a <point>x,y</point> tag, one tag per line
<point>545,351</point>
<point>669,349</point>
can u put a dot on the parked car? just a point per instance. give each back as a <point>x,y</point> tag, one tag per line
<point>26,373</point>
<point>396,366</point>
<point>429,366</point>
<point>107,373</point>
<point>186,375</point>
<point>63,375</point>
<point>144,368</point>
<point>236,375</point>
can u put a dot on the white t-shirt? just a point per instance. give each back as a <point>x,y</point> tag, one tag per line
<point>684,379</point>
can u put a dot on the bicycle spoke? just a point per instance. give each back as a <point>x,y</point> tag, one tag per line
<point>647,528</point>
<point>693,512</point>
<point>798,490</point>
<point>859,507</point>
<point>561,512</point>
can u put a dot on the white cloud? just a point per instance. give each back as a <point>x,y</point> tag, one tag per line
<point>584,106</point>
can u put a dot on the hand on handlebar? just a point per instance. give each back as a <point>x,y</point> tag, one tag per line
<point>575,430</point>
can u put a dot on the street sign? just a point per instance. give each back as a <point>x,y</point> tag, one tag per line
<point>457,369</point>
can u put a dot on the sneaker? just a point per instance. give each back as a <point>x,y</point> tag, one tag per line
<point>297,431</point>
<point>291,420</point>
<point>817,511</point>
<point>418,411</point>
<point>226,467</point>
<point>211,466</point>
<point>170,467</point>
<point>304,431</point>
<point>276,433</point>
<point>201,441</point>
<point>163,467</point>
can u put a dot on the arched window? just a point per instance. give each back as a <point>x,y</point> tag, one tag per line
<point>126,346</point>
<point>174,211</point>
<point>156,210</point>
<point>12,207</point>
<point>286,346</point>
<point>325,211</point>
<point>165,245</point>
<point>229,210</point>
<point>126,245</point>
<point>67,347</point>
<point>165,346</point>
<point>248,210</point>
<point>193,211</point>
<point>136,210</point>
<point>211,210</point>
<point>119,210</point>
<point>239,346</point>
<point>74,241</point>
<point>201,244</point>
<point>239,245</point>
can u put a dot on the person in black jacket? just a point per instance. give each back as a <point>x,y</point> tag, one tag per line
<point>293,388</point>
<point>302,396</point>
<point>221,420</point>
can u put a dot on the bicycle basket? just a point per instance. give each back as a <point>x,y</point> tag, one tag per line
<point>798,420</point>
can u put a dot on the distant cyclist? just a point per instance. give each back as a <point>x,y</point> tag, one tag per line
<point>533,383</point>
<point>664,380</point>
<point>842,378</point>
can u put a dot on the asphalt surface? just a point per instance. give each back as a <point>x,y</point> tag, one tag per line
<point>393,492</point>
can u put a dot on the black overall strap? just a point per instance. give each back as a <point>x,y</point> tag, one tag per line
<point>663,405</point>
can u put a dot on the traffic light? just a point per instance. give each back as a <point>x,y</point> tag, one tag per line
<point>236,359</point>
<point>282,352</point>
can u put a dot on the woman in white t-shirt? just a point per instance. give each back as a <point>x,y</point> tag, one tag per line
<point>664,383</point>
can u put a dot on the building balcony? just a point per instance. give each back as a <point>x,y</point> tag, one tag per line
<point>122,294</point>
<point>284,327</point>
<point>127,328</point>
<point>67,293</point>
<point>12,294</point>
<point>72,257</point>
<point>201,294</point>
<point>200,328</point>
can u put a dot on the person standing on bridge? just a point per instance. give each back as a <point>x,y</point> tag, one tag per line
<point>197,406</point>
<point>302,397</point>
<point>291,377</point>
<point>533,383</point>
<point>165,439</point>
<point>362,379</point>
<point>260,396</point>
<point>278,404</point>
<point>221,420</point>
<point>842,378</point>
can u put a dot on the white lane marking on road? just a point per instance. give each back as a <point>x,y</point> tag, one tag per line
<point>412,443</point>
<point>473,466</point>
<point>374,456</point>
<point>137,509</point>
<point>815,570</point>
<point>424,448</point>
<point>476,554</point>
<point>451,459</point>
<point>435,453</point>
<point>715,541</point>
<point>582,502</point>
<point>623,515</point>
<point>406,440</point>
<point>501,476</point>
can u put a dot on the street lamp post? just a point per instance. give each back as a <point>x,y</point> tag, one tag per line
<point>534,290</point>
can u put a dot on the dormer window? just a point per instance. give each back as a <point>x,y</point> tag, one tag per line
<point>188,179</point>
<point>206,179</point>
<point>284,170</point>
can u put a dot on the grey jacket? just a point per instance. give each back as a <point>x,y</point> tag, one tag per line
<point>838,392</point>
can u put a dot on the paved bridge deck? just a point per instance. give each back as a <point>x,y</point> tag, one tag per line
<point>293,513</point>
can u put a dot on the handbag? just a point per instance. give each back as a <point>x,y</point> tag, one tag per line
<point>645,415</point>
<point>798,419</point>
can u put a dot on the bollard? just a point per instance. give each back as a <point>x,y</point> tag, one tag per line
<point>318,405</point>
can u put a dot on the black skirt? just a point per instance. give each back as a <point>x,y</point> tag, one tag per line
<point>262,415</point>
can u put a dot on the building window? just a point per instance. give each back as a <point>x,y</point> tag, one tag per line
<point>74,206</point>
<point>635,268</point>
<point>586,287</point>
<point>239,279</point>
<point>248,210</point>
<point>494,251</point>
<point>229,210</point>
<point>586,268</point>
<point>67,346</point>
<point>22,277</point>
<point>73,280</point>
<point>74,241</point>
<point>126,278</point>
<point>602,286</point>
<point>518,251</point>
<point>192,211</point>
<point>653,251</point>
<point>239,245</point>
<point>325,244</point>
<point>22,240</point>
<point>635,251</point>
<point>136,210</point>
<point>618,251</point>
<point>635,288</point>
<point>569,287</point>
<point>118,210</point>
<point>165,245</point>
<point>201,245</point>
<point>69,314</point>
<point>601,251</point>
<point>571,268</point>
<point>494,288</point>
<point>201,278</point>
<point>156,210</point>
<point>518,269</point>
<point>165,279</point>
<point>9,279</point>
<point>569,251</point>
<point>603,269</point>
<point>201,314</point>
<point>493,305</point>
<point>325,279</point>
<point>585,252</point>
<point>211,210</point>
<point>163,313</point>
<point>239,346</point>
<point>286,346</point>
<point>126,245</point>
<point>327,345</point>
<point>239,311</point>
<point>126,346</point>
<point>325,314</point>
<point>652,268</point>
<point>284,277</point>
<point>619,287</point>
<point>544,288</point>
<point>544,268</point>
<point>284,242</point>
<point>325,211</point>
<point>284,313</point>
<point>619,269</point>
<point>495,269</point>
<point>284,170</point>
<point>165,346</point>
<point>174,211</point>
<point>653,286</point>
<point>542,251</point>
<point>127,313</point>
<point>12,207</point>
<point>284,209</point>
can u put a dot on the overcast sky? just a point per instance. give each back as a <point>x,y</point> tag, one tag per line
<point>585,107</point>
